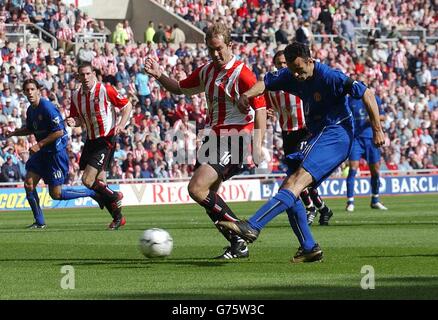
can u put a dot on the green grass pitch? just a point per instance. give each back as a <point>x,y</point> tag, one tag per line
<point>401,245</point>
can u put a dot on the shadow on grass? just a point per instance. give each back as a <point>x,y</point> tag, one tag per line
<point>127,263</point>
<point>380,224</point>
<point>386,289</point>
<point>59,229</point>
<point>98,228</point>
<point>149,263</point>
<point>206,226</point>
<point>432,255</point>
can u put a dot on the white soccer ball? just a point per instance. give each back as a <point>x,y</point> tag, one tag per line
<point>156,243</point>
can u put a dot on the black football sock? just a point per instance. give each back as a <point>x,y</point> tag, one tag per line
<point>217,209</point>
<point>318,202</point>
<point>116,214</point>
<point>305,197</point>
<point>103,189</point>
<point>226,233</point>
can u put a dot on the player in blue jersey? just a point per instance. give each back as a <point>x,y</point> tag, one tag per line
<point>329,120</point>
<point>292,122</point>
<point>363,146</point>
<point>48,158</point>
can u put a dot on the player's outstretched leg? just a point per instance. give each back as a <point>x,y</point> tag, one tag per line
<point>284,200</point>
<point>249,230</point>
<point>325,212</point>
<point>102,188</point>
<point>68,193</point>
<point>202,188</point>
<point>218,210</point>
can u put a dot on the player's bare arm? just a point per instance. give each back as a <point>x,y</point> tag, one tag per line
<point>51,138</point>
<point>18,132</point>
<point>373,112</point>
<point>126,113</point>
<point>259,133</point>
<point>152,68</point>
<point>255,91</point>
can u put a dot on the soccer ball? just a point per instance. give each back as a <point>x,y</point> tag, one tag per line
<point>155,243</point>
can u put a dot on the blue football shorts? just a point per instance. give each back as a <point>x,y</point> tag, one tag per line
<point>52,167</point>
<point>323,153</point>
<point>365,148</point>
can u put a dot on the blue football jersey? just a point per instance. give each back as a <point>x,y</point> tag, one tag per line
<point>44,120</point>
<point>362,124</point>
<point>323,95</point>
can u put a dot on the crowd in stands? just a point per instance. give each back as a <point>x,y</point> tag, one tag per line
<point>403,73</point>
<point>280,20</point>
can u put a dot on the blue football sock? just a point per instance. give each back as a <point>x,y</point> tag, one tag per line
<point>68,193</point>
<point>294,225</point>
<point>350,183</point>
<point>283,200</point>
<point>375,184</point>
<point>34,202</point>
<point>298,221</point>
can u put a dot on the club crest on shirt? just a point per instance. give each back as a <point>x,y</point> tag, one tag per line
<point>96,100</point>
<point>40,117</point>
<point>317,96</point>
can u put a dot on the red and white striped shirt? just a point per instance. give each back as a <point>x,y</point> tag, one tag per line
<point>96,109</point>
<point>289,109</point>
<point>65,34</point>
<point>222,89</point>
